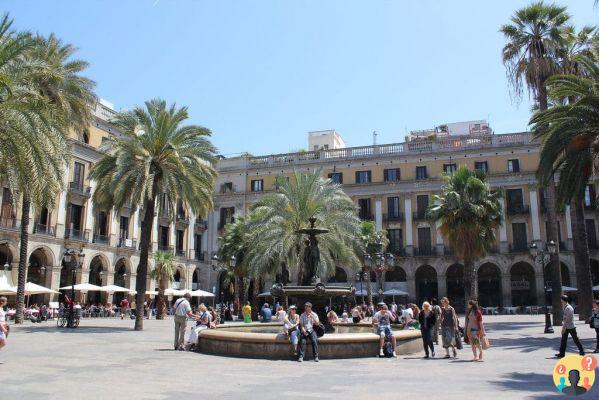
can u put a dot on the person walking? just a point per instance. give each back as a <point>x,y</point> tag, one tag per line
<point>568,328</point>
<point>182,311</point>
<point>437,311</point>
<point>291,324</point>
<point>3,324</point>
<point>449,327</point>
<point>307,321</point>
<point>124,307</point>
<point>475,329</point>
<point>595,323</point>
<point>247,312</point>
<point>427,321</point>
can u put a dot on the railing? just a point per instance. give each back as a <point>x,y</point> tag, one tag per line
<point>419,215</point>
<point>182,219</point>
<point>519,247</point>
<point>10,223</point>
<point>198,255</point>
<point>101,239</point>
<point>366,217</point>
<point>80,188</point>
<point>518,209</point>
<point>201,225</point>
<point>180,252</point>
<point>397,250</point>
<point>425,251</point>
<point>127,243</point>
<point>42,229</point>
<point>102,112</point>
<point>393,217</point>
<point>167,248</point>
<point>76,234</point>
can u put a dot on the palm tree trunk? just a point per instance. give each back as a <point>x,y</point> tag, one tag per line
<point>554,263</point>
<point>162,286</point>
<point>369,287</point>
<point>470,282</point>
<point>581,258</point>
<point>142,269</point>
<point>22,259</point>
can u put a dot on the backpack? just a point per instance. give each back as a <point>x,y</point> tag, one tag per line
<point>388,349</point>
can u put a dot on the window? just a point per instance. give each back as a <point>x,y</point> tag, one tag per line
<point>124,233</point>
<point>589,197</point>
<point>336,177</point>
<point>75,214</point>
<point>257,185</point>
<point>163,236</point>
<point>227,187</point>
<point>78,173</point>
<point>393,208</point>
<point>197,243</point>
<point>363,177</point>
<point>513,166</point>
<point>180,237</point>
<point>102,224</point>
<point>364,206</point>
<point>515,201</point>
<point>43,218</point>
<point>542,200</point>
<point>519,236</point>
<point>591,233</point>
<point>421,205</point>
<point>449,168</point>
<point>424,241</point>
<point>421,173</point>
<point>481,166</point>
<point>226,216</point>
<point>392,175</point>
<point>395,241</point>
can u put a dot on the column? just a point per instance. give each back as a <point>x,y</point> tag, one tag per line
<point>132,281</point>
<point>62,206</point>
<point>534,214</point>
<point>409,233</point>
<point>135,231</point>
<point>411,282</point>
<point>439,240</point>
<point>173,236</point>
<point>155,235</point>
<point>109,281</point>
<point>89,213</point>
<point>114,228</point>
<point>569,243</point>
<point>378,213</point>
<point>441,286</point>
<point>539,288</point>
<point>31,225</point>
<point>503,244</point>
<point>191,236</point>
<point>506,288</point>
<point>55,280</point>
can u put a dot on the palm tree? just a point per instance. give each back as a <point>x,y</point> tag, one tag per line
<point>469,213</point>
<point>155,155</point>
<point>45,98</point>
<point>570,136</point>
<point>163,273</point>
<point>373,241</point>
<point>277,247</point>
<point>536,35</point>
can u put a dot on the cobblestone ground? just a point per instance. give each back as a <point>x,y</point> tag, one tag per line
<point>106,359</point>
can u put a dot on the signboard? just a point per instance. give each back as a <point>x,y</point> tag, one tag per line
<point>520,285</point>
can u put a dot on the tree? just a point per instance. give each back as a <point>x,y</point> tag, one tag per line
<point>277,247</point>
<point>469,212</point>
<point>536,35</point>
<point>42,96</point>
<point>163,273</point>
<point>373,241</point>
<point>155,155</point>
<point>569,133</point>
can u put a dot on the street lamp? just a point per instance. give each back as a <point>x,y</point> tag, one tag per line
<point>361,275</point>
<point>74,265</point>
<point>542,257</point>
<point>381,263</point>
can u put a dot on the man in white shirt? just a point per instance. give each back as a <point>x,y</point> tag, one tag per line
<point>307,321</point>
<point>182,311</point>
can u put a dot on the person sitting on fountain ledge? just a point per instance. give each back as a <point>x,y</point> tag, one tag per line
<point>307,321</point>
<point>382,320</point>
<point>266,313</point>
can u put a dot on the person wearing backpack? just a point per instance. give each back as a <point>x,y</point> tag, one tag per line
<point>182,311</point>
<point>382,320</point>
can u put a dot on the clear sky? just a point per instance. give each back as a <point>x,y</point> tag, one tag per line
<point>261,74</point>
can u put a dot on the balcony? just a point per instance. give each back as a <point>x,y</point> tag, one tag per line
<point>180,253</point>
<point>10,223</point>
<point>76,234</point>
<point>201,225</point>
<point>78,188</point>
<point>366,216</point>
<point>419,215</point>
<point>41,229</point>
<point>197,255</point>
<point>519,248</point>
<point>425,251</point>
<point>165,247</point>
<point>393,217</point>
<point>398,250</point>
<point>518,209</point>
<point>127,243</point>
<point>101,239</point>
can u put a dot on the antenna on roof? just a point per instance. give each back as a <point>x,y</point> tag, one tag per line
<point>374,135</point>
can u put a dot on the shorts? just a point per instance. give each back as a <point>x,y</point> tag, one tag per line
<point>385,331</point>
<point>2,336</point>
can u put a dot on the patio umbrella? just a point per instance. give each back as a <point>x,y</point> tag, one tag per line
<point>265,294</point>
<point>596,288</point>
<point>6,284</point>
<point>115,289</point>
<point>201,293</point>
<point>32,288</point>
<point>362,292</point>
<point>395,292</point>
<point>83,287</point>
<point>566,289</point>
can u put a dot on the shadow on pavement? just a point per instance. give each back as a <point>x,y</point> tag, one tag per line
<point>550,344</point>
<point>511,326</point>
<point>529,382</point>
<point>79,329</point>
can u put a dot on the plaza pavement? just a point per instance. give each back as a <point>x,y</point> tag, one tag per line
<point>106,359</point>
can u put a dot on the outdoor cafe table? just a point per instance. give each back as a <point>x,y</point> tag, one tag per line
<point>490,310</point>
<point>510,310</point>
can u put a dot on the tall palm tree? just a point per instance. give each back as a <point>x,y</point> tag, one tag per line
<point>535,36</point>
<point>469,213</point>
<point>570,145</point>
<point>155,155</point>
<point>44,98</point>
<point>373,241</point>
<point>278,216</point>
<point>163,272</point>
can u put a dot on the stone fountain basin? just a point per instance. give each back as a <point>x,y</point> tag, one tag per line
<point>259,340</point>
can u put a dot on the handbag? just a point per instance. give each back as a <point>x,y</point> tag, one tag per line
<point>485,343</point>
<point>458,340</point>
<point>319,329</point>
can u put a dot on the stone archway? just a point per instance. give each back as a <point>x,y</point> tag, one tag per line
<point>565,273</point>
<point>489,285</point>
<point>397,274</point>
<point>523,284</point>
<point>426,283</point>
<point>39,271</point>
<point>97,275</point>
<point>121,278</point>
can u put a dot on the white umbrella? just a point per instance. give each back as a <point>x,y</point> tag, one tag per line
<point>596,288</point>
<point>115,289</point>
<point>83,287</point>
<point>265,294</point>
<point>32,288</point>
<point>6,284</point>
<point>566,289</point>
<point>201,293</point>
<point>362,292</point>
<point>395,292</point>
<point>175,292</point>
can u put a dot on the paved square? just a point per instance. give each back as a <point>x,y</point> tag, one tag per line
<point>106,359</point>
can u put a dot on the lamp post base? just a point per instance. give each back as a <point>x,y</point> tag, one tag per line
<point>548,327</point>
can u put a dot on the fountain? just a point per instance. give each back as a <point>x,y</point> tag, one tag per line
<point>266,340</point>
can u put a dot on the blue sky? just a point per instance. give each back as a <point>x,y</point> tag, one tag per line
<point>261,74</point>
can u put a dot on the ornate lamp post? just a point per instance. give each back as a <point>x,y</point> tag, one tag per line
<point>380,263</point>
<point>74,265</point>
<point>542,257</point>
<point>360,276</point>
